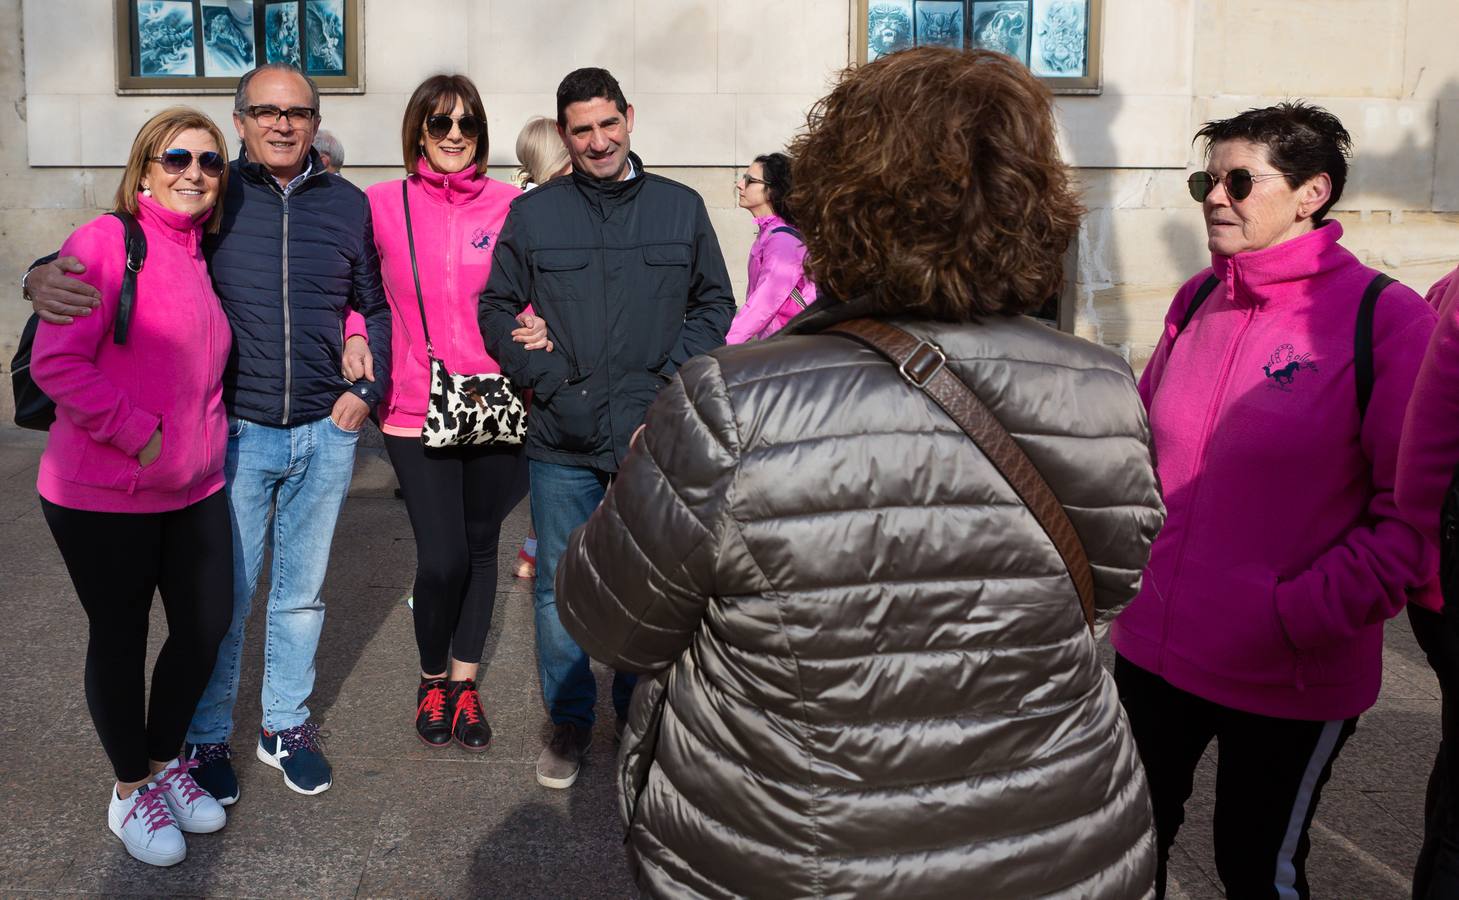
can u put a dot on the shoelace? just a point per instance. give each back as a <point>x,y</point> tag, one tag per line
<point>468,703</point>
<point>151,809</point>
<point>207,753</point>
<point>180,776</point>
<point>434,704</point>
<point>301,737</point>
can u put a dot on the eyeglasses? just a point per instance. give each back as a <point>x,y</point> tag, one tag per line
<point>439,125</point>
<point>268,116</point>
<point>749,180</point>
<point>176,160</point>
<point>1239,183</point>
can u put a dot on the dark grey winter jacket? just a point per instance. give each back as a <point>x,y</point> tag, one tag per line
<point>873,674</point>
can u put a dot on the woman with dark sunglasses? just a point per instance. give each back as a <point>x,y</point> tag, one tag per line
<point>132,475</point>
<point>778,288</point>
<point>456,497</point>
<point>1276,399</point>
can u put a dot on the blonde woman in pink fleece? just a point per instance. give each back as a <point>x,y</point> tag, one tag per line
<point>132,476</point>
<point>1259,623</point>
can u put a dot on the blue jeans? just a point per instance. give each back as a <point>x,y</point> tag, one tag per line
<point>563,497</point>
<point>300,475</point>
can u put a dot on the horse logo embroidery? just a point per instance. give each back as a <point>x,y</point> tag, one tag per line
<point>1282,367</point>
<point>481,239</point>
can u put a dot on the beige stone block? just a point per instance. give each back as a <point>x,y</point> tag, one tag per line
<point>782,46</point>
<point>1446,156</point>
<point>1130,316</point>
<point>53,129</point>
<point>109,123</point>
<point>1420,243</point>
<point>1117,130</point>
<point>505,116</point>
<point>61,188</point>
<point>1147,47</point>
<point>1145,246</point>
<point>69,47</point>
<point>527,47</point>
<point>1430,65</point>
<point>408,42</point>
<point>675,46</point>
<point>685,129</point>
<point>368,125</point>
<point>716,184</point>
<point>767,122</point>
<point>1303,48</point>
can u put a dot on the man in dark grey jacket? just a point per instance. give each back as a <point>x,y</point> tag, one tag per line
<point>625,268</point>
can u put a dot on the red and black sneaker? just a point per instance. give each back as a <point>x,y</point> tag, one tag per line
<point>468,721</point>
<point>430,712</point>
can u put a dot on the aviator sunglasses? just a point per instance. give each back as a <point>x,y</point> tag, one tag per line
<point>439,125</point>
<point>176,160</point>
<point>1239,183</point>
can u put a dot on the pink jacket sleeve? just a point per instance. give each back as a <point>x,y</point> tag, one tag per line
<point>782,270</point>
<point>63,361</point>
<point>354,325</point>
<point>1365,579</point>
<point>1429,453</point>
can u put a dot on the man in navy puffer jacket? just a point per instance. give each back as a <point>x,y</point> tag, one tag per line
<point>296,252</point>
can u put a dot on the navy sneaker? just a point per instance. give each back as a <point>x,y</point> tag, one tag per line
<point>214,773</point>
<point>298,752</point>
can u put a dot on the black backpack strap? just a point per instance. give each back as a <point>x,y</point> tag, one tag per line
<point>1363,342</point>
<point>790,231</point>
<point>1202,293</point>
<point>136,256</point>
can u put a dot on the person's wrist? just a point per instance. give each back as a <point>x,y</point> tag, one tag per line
<point>25,293</point>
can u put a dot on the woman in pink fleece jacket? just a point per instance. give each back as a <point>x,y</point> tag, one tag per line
<point>132,475</point>
<point>456,497</point>
<point>779,288</point>
<point>1259,623</point>
<point>1428,459</point>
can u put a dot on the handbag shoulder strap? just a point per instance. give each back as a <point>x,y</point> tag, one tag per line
<point>923,364</point>
<point>414,269</point>
<point>136,257</point>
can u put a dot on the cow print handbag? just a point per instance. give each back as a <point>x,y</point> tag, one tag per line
<point>464,410</point>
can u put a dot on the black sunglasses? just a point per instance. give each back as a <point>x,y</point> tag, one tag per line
<point>176,160</point>
<point>268,116</point>
<point>439,125</point>
<point>1239,183</point>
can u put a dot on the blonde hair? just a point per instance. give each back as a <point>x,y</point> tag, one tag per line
<point>151,140</point>
<point>540,150</point>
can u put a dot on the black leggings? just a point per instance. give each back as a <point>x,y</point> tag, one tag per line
<point>457,498</point>
<point>117,561</point>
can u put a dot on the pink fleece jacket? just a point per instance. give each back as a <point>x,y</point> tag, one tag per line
<point>1283,552</point>
<point>456,219</point>
<point>1429,454</point>
<point>169,373</point>
<point>776,265</point>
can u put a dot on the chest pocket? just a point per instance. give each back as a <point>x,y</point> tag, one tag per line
<point>666,270</point>
<point>561,274</point>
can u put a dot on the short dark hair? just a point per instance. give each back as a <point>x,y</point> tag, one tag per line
<point>1301,139</point>
<point>582,85</point>
<point>240,96</point>
<point>776,168</point>
<point>436,93</point>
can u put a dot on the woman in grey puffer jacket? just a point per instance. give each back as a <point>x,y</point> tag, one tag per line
<point>873,677</point>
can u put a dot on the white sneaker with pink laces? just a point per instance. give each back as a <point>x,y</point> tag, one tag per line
<point>146,827</point>
<point>194,808</point>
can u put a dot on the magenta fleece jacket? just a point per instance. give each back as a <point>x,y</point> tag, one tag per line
<point>777,264</point>
<point>456,219</point>
<point>1283,551</point>
<point>110,398</point>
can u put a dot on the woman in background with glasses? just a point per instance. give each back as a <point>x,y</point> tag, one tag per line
<point>778,286</point>
<point>132,475</point>
<point>456,497</point>
<point>1276,416</point>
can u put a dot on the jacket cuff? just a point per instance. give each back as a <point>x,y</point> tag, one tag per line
<point>135,432</point>
<point>1298,612</point>
<point>366,391</point>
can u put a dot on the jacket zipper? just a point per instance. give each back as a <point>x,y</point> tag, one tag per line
<point>1217,398</point>
<point>288,336</point>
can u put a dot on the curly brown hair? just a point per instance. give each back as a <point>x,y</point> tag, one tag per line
<point>930,183</point>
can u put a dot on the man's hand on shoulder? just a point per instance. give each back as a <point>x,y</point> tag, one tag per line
<point>57,298</point>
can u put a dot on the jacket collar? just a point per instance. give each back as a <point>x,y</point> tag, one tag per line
<point>259,174</point>
<point>456,188</point>
<point>767,224</point>
<point>176,226</point>
<point>606,196</point>
<point>828,311</point>
<point>1264,275</point>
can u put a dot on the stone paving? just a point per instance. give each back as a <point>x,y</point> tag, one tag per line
<point>403,820</point>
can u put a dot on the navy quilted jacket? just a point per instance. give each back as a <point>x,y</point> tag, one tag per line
<point>287,271</point>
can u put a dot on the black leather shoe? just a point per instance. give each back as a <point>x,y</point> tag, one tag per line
<point>468,721</point>
<point>431,721</point>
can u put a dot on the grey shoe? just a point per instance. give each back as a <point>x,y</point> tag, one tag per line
<point>558,765</point>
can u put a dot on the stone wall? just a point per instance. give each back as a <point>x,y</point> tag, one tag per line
<point>715,82</point>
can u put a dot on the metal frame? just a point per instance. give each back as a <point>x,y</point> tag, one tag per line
<point>1088,84</point>
<point>352,82</point>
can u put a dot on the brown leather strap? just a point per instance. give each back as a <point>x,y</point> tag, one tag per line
<point>923,364</point>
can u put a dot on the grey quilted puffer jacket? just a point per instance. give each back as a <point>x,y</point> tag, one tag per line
<point>873,677</point>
